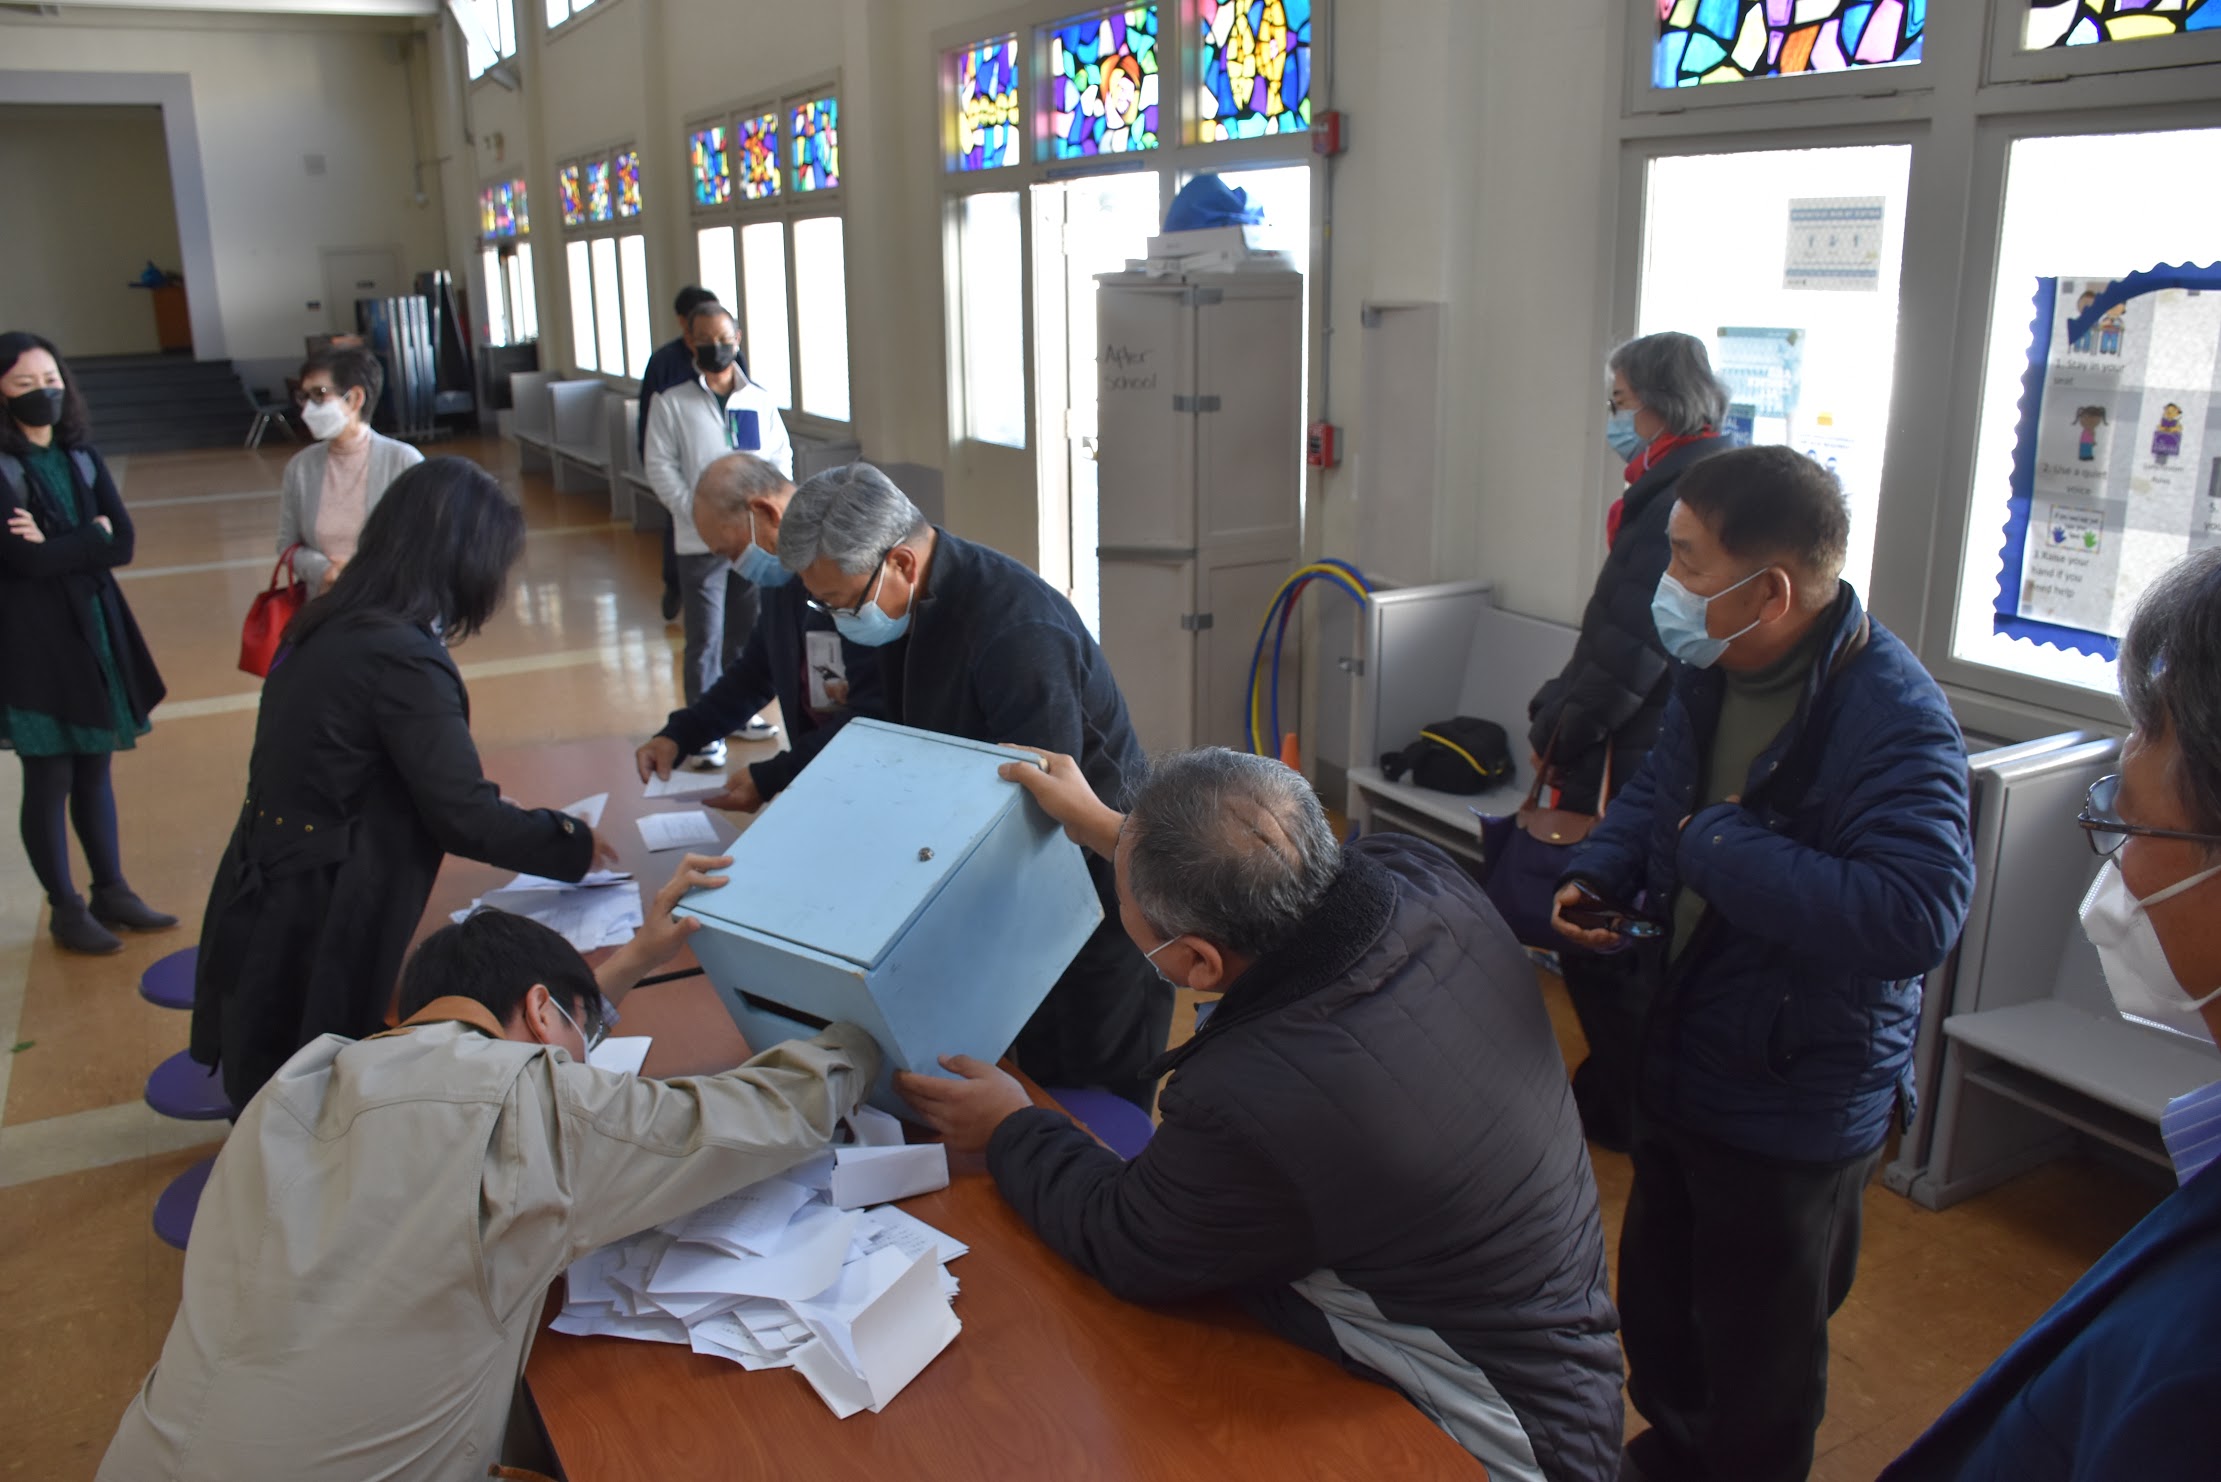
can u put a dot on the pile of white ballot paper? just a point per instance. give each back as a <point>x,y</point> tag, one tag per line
<point>602,910</point>
<point>795,1272</point>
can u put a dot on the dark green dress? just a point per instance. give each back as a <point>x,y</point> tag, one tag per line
<point>32,733</point>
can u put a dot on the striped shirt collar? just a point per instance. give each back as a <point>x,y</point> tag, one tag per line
<point>2191,1128</point>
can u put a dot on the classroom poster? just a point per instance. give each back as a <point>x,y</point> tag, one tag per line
<point>2115,472</point>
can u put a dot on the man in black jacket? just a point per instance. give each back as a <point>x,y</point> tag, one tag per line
<point>671,365</point>
<point>973,644</point>
<point>792,655</point>
<point>1371,1142</point>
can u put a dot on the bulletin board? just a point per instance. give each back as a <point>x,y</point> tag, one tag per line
<point>2117,456</point>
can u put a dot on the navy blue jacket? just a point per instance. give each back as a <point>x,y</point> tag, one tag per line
<point>2119,1382</point>
<point>772,665</point>
<point>1785,1027</point>
<point>1373,1146</point>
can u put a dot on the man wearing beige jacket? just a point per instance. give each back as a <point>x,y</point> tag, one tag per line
<point>371,1256</point>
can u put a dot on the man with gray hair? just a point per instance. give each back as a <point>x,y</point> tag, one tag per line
<point>1371,1143</point>
<point>792,655</point>
<point>970,643</point>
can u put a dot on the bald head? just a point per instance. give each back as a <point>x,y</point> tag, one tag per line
<point>1228,847</point>
<point>737,493</point>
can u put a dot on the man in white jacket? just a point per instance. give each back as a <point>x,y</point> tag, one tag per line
<point>374,1247</point>
<point>690,427</point>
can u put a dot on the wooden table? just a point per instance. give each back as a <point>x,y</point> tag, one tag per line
<point>1051,1378</point>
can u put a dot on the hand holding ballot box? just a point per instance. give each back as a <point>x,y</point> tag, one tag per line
<point>901,884</point>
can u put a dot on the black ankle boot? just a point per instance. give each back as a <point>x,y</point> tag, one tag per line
<point>115,906</point>
<point>75,929</point>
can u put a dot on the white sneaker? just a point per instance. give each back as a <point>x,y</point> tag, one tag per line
<point>710,758</point>
<point>758,729</point>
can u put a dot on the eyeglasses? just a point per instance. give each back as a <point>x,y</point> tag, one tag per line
<point>592,1038</point>
<point>2102,824</point>
<point>318,394</point>
<point>878,570</point>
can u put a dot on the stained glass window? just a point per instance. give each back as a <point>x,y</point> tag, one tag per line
<point>987,105</point>
<point>713,166</point>
<point>1103,83</point>
<point>759,157</point>
<point>2088,22</point>
<point>598,206</point>
<point>501,210</point>
<point>519,214</point>
<point>574,196</point>
<point>488,222</point>
<point>627,166</point>
<point>1729,40</point>
<point>817,144</point>
<point>1256,68</point>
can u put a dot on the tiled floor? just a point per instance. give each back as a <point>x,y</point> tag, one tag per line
<point>86,1291</point>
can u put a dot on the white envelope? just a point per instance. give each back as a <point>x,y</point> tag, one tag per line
<point>880,1175</point>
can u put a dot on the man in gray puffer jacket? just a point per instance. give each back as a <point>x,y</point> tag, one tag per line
<point>1372,1143</point>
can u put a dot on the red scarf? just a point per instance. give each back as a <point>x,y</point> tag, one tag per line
<point>1643,463</point>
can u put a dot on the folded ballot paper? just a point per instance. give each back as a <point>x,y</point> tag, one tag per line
<point>783,1275</point>
<point>602,910</point>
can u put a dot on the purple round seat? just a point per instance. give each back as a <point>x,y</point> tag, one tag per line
<point>173,1210</point>
<point>168,983</point>
<point>1124,1127</point>
<point>181,1087</point>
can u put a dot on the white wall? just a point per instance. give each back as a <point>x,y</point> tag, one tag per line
<point>100,212</point>
<point>264,93</point>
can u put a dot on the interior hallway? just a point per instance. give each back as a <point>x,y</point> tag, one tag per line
<point>86,1291</point>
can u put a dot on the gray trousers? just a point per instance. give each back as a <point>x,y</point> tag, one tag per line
<point>718,609</point>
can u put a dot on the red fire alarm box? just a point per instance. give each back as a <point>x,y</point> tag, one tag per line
<point>1322,445</point>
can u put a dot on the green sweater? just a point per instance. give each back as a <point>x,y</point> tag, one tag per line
<point>1753,711</point>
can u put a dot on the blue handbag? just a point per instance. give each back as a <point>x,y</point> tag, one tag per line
<point>1525,854</point>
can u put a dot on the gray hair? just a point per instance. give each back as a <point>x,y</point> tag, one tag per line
<point>1673,376</point>
<point>727,485</point>
<point>1229,847</point>
<point>706,313</point>
<point>852,516</point>
<point>2170,669</point>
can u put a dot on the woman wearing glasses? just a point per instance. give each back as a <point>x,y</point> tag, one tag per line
<point>332,486</point>
<point>363,779</point>
<point>2121,1378</point>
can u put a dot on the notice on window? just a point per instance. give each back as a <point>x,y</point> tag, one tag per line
<point>1835,242</point>
<point>2117,474</point>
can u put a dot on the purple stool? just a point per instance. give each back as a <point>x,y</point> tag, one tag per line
<point>173,1210</point>
<point>182,1088</point>
<point>1124,1127</point>
<point>168,984</point>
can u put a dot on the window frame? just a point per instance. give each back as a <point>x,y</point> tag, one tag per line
<point>1961,122</point>
<point>617,227</point>
<point>2009,61</point>
<point>1639,97</point>
<point>579,13</point>
<point>786,208</point>
<point>485,74</point>
<point>506,246</point>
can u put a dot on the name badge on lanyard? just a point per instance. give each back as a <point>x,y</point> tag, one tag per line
<point>743,432</point>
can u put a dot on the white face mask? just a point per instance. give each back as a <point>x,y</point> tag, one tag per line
<point>2136,971</point>
<point>325,419</point>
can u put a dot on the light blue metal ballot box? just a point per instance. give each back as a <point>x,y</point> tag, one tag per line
<point>898,883</point>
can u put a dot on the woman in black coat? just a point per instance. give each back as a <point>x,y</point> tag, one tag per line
<point>364,778</point>
<point>1664,417</point>
<point>76,681</point>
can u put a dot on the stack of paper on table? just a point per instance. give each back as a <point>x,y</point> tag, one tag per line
<point>686,784</point>
<point>777,1276</point>
<point>602,910</point>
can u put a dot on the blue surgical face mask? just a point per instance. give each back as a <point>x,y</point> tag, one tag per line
<point>1150,957</point>
<point>1679,616</point>
<point>869,625</point>
<point>759,565</point>
<point>1619,431</point>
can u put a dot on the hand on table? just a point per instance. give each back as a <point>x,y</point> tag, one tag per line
<point>1061,789</point>
<point>605,853</point>
<point>23,527</point>
<point>739,796</point>
<point>1572,894</point>
<point>661,935</point>
<point>656,757</point>
<point>967,1110</point>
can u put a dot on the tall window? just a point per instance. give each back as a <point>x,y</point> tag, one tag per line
<point>612,326</point>
<point>991,318</point>
<point>560,11</point>
<point>489,34</point>
<point>505,264</point>
<point>1103,83</point>
<point>769,242</point>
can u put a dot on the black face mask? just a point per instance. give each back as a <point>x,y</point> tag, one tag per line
<point>37,408</point>
<point>715,356</point>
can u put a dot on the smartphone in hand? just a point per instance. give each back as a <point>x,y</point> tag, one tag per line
<point>1592,913</point>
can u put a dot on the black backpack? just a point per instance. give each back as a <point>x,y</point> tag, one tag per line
<point>1462,754</point>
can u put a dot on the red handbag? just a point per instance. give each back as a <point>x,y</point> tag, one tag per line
<point>270,614</point>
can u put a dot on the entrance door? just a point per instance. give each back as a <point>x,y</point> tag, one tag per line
<point>1081,228</point>
<point>351,273</point>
